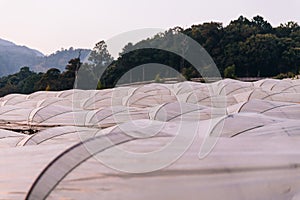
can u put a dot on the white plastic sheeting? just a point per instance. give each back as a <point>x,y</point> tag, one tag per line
<point>250,120</point>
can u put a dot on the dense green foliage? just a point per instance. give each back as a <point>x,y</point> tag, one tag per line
<point>26,81</point>
<point>229,72</point>
<point>244,48</point>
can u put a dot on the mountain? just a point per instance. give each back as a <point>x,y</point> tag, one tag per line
<point>13,57</point>
<point>6,43</point>
<point>59,59</point>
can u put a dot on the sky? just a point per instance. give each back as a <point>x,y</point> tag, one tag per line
<point>49,25</point>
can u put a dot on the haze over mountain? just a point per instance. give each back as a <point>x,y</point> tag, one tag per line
<point>13,57</point>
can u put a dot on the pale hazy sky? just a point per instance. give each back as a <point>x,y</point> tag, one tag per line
<point>49,25</point>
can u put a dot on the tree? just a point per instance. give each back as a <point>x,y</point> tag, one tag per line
<point>72,67</point>
<point>29,83</point>
<point>190,73</point>
<point>21,82</point>
<point>90,72</point>
<point>51,78</point>
<point>285,30</point>
<point>229,72</point>
<point>100,55</point>
<point>260,54</point>
<point>68,77</point>
<point>263,26</point>
<point>52,73</point>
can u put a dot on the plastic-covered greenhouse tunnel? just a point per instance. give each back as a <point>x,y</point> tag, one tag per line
<point>155,141</point>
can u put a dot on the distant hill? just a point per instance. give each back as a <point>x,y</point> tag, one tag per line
<point>59,59</point>
<point>13,57</point>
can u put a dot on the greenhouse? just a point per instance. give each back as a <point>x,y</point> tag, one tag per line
<point>208,139</point>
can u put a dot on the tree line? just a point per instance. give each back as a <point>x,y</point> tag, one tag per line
<point>244,48</point>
